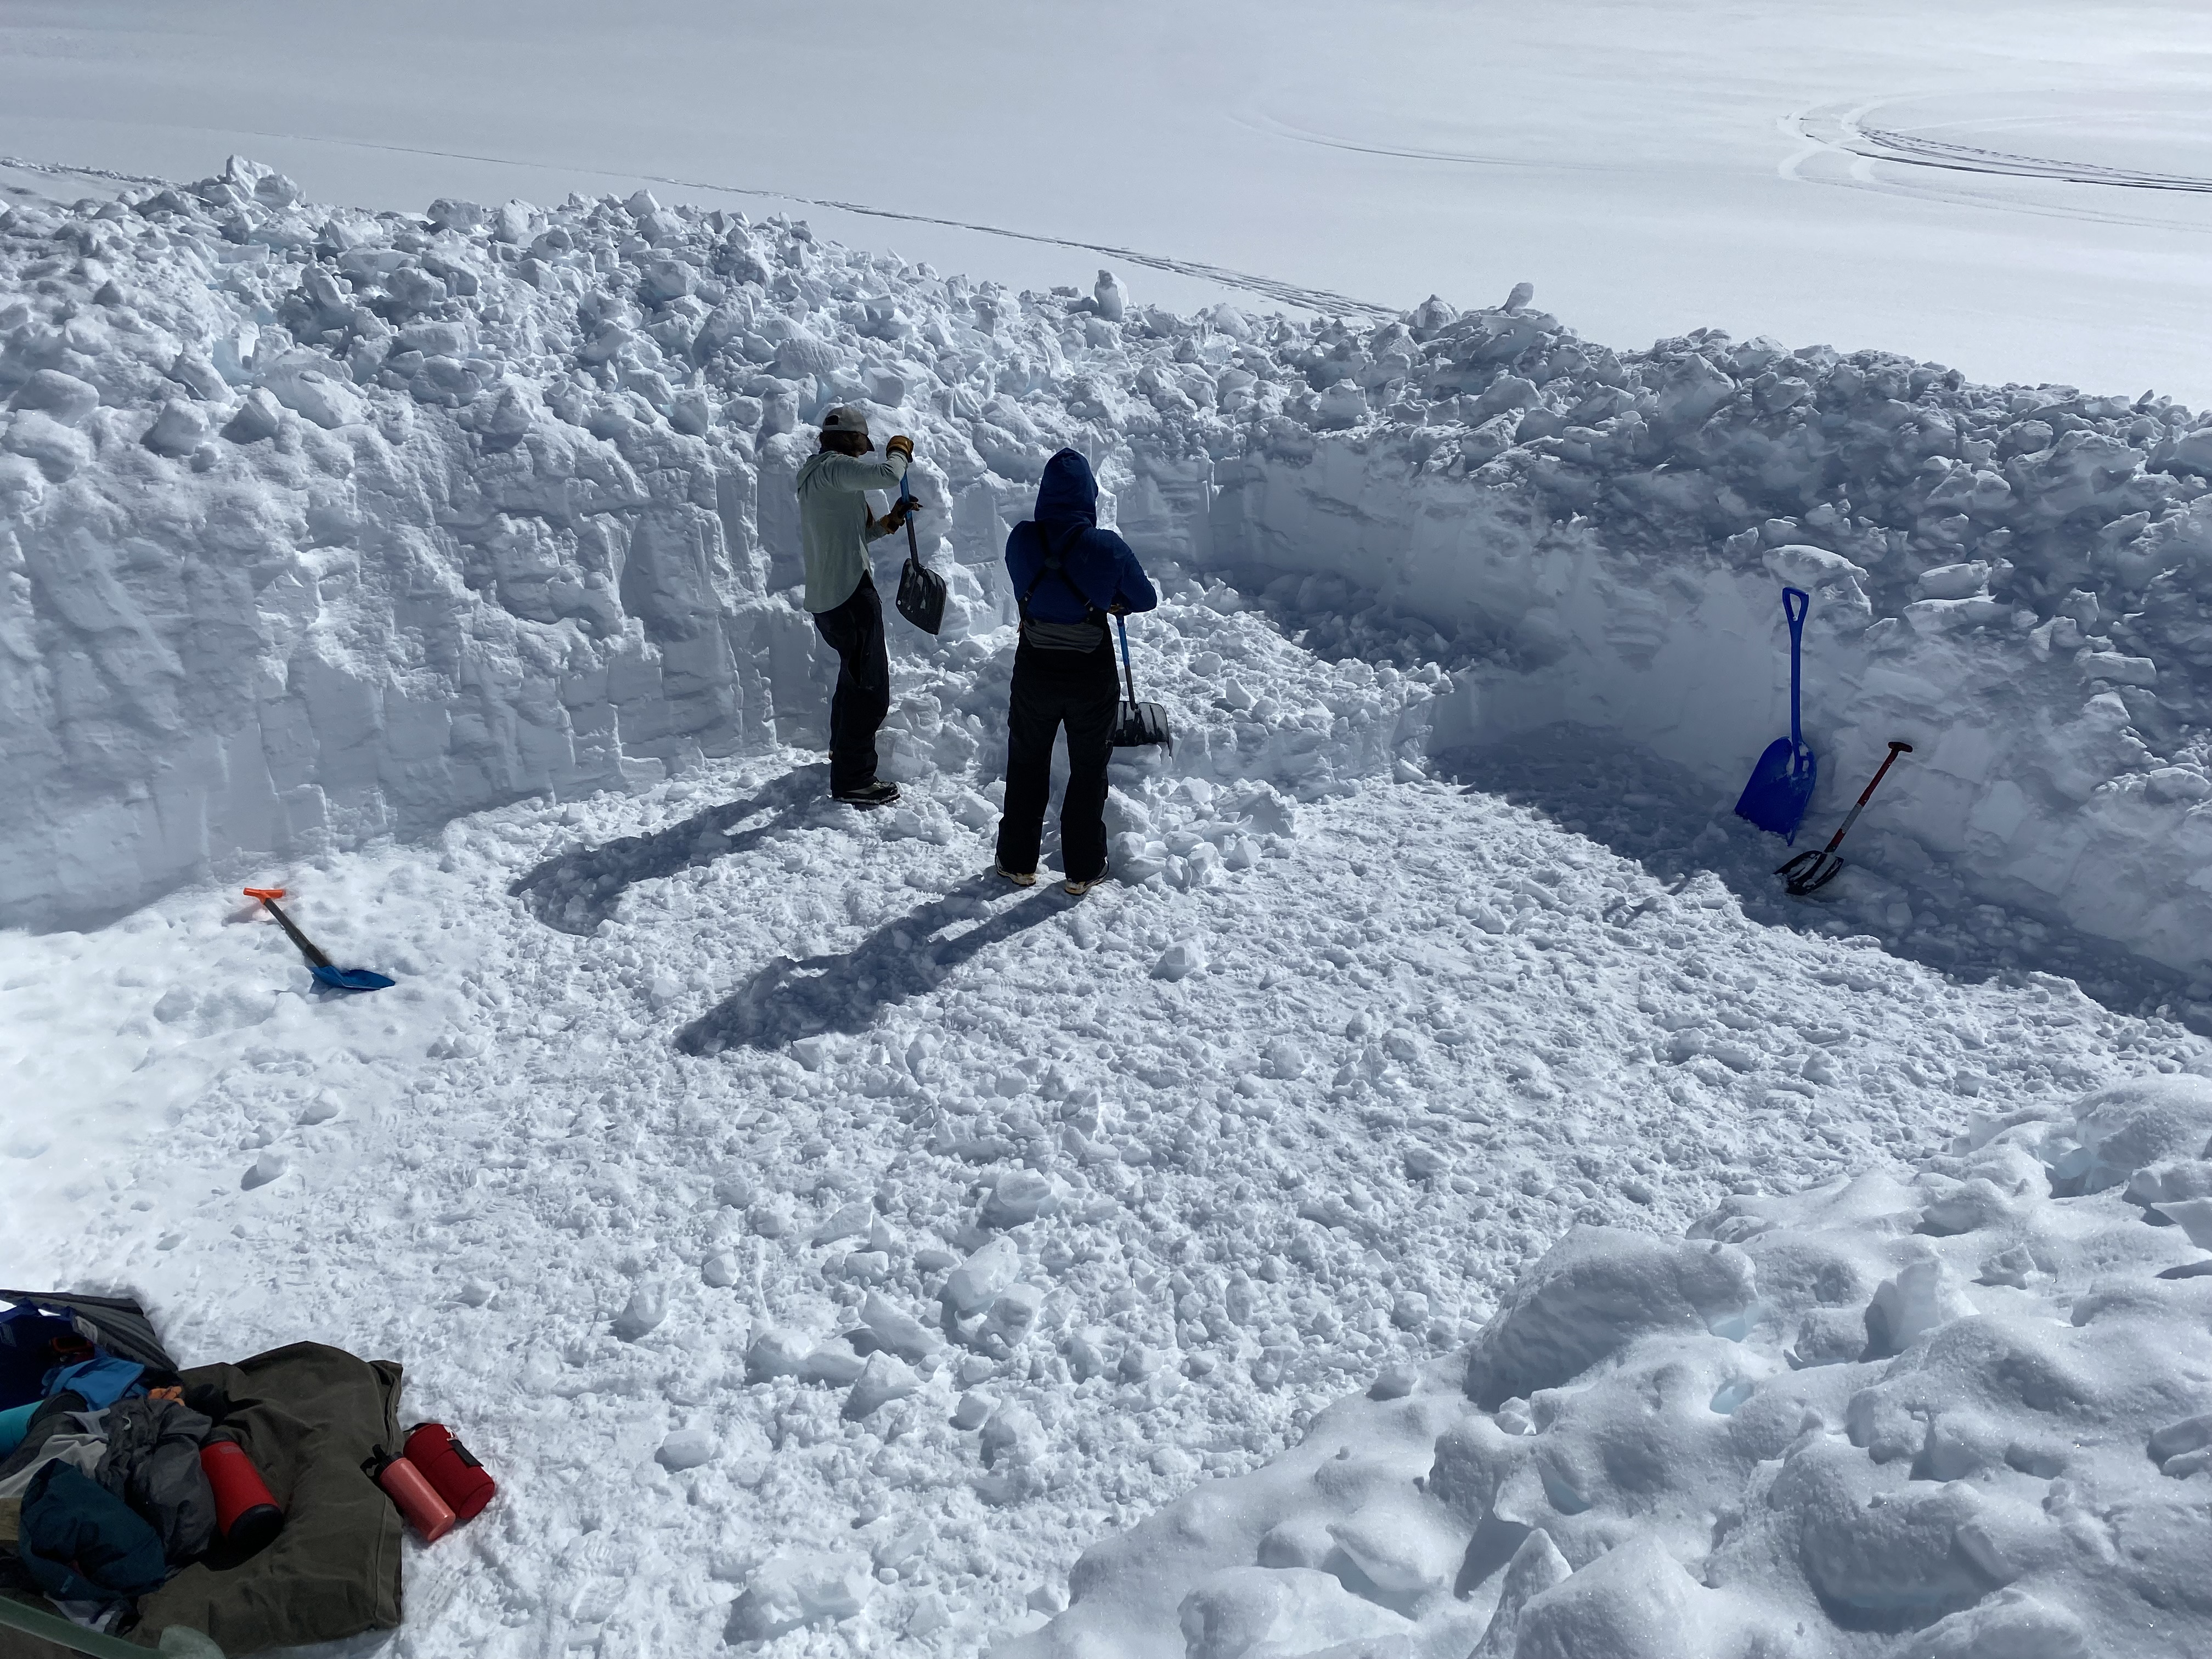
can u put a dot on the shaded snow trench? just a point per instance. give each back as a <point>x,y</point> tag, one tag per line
<point>821,1259</point>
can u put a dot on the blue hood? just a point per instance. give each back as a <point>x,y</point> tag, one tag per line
<point>1068,495</point>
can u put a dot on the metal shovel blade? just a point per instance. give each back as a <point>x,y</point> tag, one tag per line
<point>348,979</point>
<point>1781,788</point>
<point>1142,725</point>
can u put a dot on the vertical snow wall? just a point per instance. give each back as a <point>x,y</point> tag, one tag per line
<point>317,524</point>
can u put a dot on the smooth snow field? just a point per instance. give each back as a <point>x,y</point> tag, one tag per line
<point>2020,189</point>
<point>1442,1198</point>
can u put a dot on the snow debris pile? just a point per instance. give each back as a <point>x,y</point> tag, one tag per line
<point>1965,1414</point>
<point>323,525</point>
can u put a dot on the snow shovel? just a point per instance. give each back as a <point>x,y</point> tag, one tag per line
<point>920,589</point>
<point>1781,785</point>
<point>1140,724</point>
<point>1810,870</point>
<point>339,979</point>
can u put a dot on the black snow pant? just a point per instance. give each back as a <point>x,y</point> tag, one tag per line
<point>1052,688</point>
<point>854,630</point>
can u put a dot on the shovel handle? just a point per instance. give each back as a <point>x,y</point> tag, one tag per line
<point>1867,794</point>
<point>907,495</point>
<point>1127,673</point>
<point>1795,615</point>
<point>307,949</point>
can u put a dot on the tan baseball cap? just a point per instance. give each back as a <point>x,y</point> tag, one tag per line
<point>845,418</point>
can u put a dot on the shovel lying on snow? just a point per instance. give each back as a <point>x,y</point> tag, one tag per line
<point>1810,870</point>
<point>1140,724</point>
<point>1781,784</point>
<point>339,979</point>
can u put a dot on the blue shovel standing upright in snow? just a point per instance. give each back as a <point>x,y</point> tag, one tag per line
<point>1781,785</point>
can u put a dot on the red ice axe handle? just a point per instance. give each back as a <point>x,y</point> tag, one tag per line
<point>269,896</point>
<point>1880,772</point>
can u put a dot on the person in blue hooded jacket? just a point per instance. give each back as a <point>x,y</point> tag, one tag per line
<point>1070,576</point>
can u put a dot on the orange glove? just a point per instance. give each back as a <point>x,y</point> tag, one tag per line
<point>900,444</point>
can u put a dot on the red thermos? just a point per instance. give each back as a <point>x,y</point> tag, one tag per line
<point>417,1500</point>
<point>451,1468</point>
<point>244,1512</point>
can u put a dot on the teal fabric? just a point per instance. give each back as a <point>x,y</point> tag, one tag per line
<point>83,1543</point>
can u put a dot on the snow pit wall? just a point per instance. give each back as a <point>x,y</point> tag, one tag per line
<point>317,525</point>
<point>2028,783</point>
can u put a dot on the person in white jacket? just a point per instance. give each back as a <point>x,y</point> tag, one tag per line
<point>835,525</point>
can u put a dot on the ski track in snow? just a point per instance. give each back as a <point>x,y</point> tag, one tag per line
<point>1432,1030</point>
<point>1298,296</point>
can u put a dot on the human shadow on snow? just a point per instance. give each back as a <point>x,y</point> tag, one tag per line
<point>576,892</point>
<point>790,998</point>
<point>1649,811</point>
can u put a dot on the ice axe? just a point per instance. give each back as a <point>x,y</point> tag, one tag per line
<point>1810,870</point>
<point>339,979</point>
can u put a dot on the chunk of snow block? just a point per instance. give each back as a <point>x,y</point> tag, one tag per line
<point>1924,1296</point>
<point>1180,960</point>
<point>883,1378</point>
<point>256,419</point>
<point>1013,1313</point>
<point>835,1362</point>
<point>976,1283</point>
<point>646,1308</point>
<point>270,1166</point>
<point>449,214</point>
<point>1282,1610</point>
<point>800,1589</point>
<point>1915,1554</point>
<point>1536,1566</point>
<point>776,1353</point>
<point>1013,1435</point>
<point>178,430</point>
<point>2194,1215</point>
<point>1592,1293</point>
<point>1110,297</point>
<point>848,1221</point>
<point>1635,1601</point>
<point>2010,1625</point>
<point>314,394</point>
<point>973,1410</point>
<point>1019,1196</point>
<point>686,1449</point>
<point>63,397</point>
<point>1519,298</point>
<point>1403,1549</point>
<point>896,1329</point>
<point>1340,405</point>
<point>60,451</point>
<point>666,280</point>
<point>2121,1129</point>
<point>1953,581</point>
<point>720,1270</point>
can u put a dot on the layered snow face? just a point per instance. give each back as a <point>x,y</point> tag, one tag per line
<point>1958,1411</point>
<point>324,525</point>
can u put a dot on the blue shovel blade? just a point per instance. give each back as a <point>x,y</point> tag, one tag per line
<point>1780,789</point>
<point>350,979</point>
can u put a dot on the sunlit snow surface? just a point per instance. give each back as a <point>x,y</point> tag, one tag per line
<point>2019,190</point>
<point>827,1245</point>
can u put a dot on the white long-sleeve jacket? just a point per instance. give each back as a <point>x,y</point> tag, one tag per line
<point>835,524</point>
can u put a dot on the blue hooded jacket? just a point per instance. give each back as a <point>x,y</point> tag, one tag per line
<point>1098,562</point>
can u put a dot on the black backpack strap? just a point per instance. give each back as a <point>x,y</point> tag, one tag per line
<point>1053,566</point>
